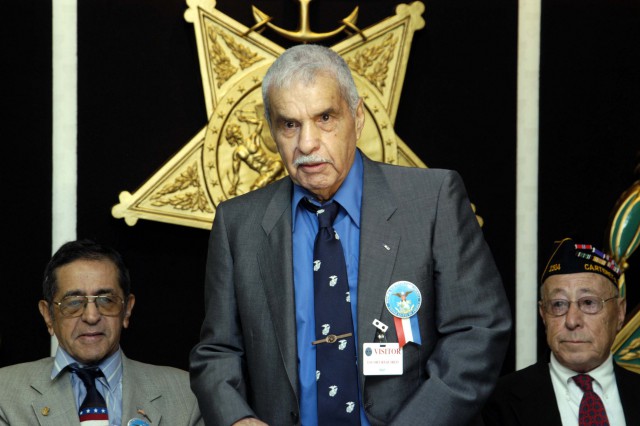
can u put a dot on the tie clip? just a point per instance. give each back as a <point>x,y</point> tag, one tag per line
<point>331,338</point>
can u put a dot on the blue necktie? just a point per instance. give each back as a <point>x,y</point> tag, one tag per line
<point>93,409</point>
<point>336,364</point>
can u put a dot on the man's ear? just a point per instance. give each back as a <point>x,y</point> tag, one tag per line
<point>622,312</point>
<point>131,300</point>
<point>43,306</point>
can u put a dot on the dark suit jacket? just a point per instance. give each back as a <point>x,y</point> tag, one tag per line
<point>28,396</point>
<point>416,225</point>
<point>526,398</point>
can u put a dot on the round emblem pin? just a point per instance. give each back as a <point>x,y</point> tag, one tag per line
<point>403,299</point>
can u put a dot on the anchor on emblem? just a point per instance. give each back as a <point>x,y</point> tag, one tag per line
<point>304,33</point>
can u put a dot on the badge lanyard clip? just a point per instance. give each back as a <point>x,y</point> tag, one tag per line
<point>381,337</point>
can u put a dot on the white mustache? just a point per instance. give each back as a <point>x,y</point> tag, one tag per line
<point>310,159</point>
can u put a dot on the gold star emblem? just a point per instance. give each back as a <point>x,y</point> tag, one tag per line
<point>233,59</point>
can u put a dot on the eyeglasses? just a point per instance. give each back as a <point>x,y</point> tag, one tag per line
<point>588,304</point>
<point>108,305</point>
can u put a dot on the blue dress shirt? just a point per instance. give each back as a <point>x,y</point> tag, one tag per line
<point>305,228</point>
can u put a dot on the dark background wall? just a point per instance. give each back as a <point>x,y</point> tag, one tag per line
<point>589,120</point>
<point>25,175</point>
<point>140,100</point>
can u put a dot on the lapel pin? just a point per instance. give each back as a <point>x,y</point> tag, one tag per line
<point>387,247</point>
<point>142,413</point>
<point>45,411</point>
<point>403,299</point>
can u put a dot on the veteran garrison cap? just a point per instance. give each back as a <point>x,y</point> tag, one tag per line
<point>571,258</point>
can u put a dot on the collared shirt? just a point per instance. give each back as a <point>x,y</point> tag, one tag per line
<point>109,386</point>
<point>569,395</point>
<point>305,228</point>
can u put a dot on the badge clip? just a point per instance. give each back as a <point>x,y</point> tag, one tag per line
<point>382,329</point>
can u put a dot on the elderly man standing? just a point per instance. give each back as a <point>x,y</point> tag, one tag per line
<point>87,302</point>
<point>349,292</point>
<point>580,384</point>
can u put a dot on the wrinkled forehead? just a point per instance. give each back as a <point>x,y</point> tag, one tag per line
<point>87,277</point>
<point>305,75</point>
<point>319,97</point>
<point>300,79</point>
<point>576,285</point>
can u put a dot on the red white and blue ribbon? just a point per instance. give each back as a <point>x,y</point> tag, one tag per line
<point>408,330</point>
<point>403,299</point>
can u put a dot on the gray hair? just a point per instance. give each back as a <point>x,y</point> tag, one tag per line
<point>303,63</point>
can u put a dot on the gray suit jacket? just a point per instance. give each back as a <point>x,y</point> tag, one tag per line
<point>416,225</point>
<point>28,396</point>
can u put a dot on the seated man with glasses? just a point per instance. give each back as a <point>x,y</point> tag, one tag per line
<point>580,384</point>
<point>87,302</point>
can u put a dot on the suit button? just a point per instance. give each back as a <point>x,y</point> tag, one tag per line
<point>295,417</point>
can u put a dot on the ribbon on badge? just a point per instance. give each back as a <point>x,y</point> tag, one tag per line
<point>403,299</point>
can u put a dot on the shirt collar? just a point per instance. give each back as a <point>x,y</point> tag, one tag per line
<point>602,375</point>
<point>349,195</point>
<point>111,366</point>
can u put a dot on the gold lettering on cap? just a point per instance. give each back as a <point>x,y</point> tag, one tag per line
<point>601,270</point>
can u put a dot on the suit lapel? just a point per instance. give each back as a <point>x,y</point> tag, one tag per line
<point>379,241</point>
<point>275,263</point>
<point>52,406</point>
<point>628,387</point>
<point>538,393</point>
<point>138,394</point>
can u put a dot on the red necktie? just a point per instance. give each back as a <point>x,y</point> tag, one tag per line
<point>592,412</point>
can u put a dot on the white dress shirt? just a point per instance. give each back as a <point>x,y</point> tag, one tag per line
<point>569,395</point>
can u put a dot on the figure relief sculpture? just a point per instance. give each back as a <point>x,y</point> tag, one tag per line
<point>251,151</point>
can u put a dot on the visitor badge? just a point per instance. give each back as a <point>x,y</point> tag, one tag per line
<point>381,359</point>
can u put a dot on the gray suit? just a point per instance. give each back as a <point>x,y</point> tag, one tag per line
<point>416,225</point>
<point>27,393</point>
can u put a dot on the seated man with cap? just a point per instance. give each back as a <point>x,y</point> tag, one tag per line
<point>87,302</point>
<point>580,384</point>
